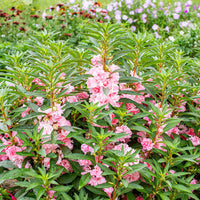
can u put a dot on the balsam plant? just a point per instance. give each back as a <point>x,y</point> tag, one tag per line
<point>72,128</point>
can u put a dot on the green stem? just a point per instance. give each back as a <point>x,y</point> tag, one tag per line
<point>6,119</point>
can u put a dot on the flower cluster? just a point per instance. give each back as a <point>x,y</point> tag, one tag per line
<point>103,85</point>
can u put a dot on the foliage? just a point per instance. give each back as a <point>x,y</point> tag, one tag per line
<point>91,109</point>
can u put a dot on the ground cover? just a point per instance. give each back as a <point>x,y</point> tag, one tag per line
<point>93,108</point>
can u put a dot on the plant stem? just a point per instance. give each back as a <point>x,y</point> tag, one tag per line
<point>8,127</point>
<point>117,183</point>
<point>163,95</point>
<point>136,62</point>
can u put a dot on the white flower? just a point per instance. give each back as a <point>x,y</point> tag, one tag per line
<point>130,2</point>
<point>124,17</point>
<point>167,29</point>
<point>171,38</point>
<point>181,33</point>
<point>44,14</point>
<point>175,16</point>
<point>155,27</point>
<point>109,8</point>
<point>57,8</point>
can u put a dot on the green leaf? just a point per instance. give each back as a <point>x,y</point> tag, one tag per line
<point>104,185</point>
<point>31,116</point>
<point>7,164</point>
<point>125,183</point>
<point>194,196</point>
<point>187,157</point>
<point>33,185</point>
<point>129,80</point>
<point>62,188</point>
<point>23,184</point>
<point>66,178</point>
<point>164,196</point>
<point>135,186</point>
<point>181,188</point>
<point>23,153</point>
<point>22,128</point>
<point>171,124</point>
<point>84,180</point>
<point>79,156</point>
<point>130,196</point>
<point>106,170</point>
<point>15,173</point>
<point>33,106</point>
<point>65,196</point>
<point>96,191</point>
<point>42,152</point>
<point>178,174</point>
<point>129,92</point>
<point>140,128</point>
<point>40,192</point>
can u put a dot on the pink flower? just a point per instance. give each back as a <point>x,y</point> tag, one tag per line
<point>25,112</point>
<point>126,130</point>
<point>142,136</point>
<point>173,130</point>
<point>144,15</point>
<point>133,28</point>
<point>85,162</point>
<point>68,142</point>
<point>83,95</point>
<point>65,163</point>
<point>47,128</point>
<point>147,144</point>
<point>104,85</point>
<point>195,140</point>
<point>96,90</point>
<point>114,68</point>
<point>97,60</point>
<point>132,177</point>
<point>172,171</point>
<point>86,149</point>
<point>15,158</point>
<point>50,148</point>
<point>158,144</point>
<point>46,162</point>
<point>190,132</point>
<point>72,99</point>
<point>126,150</point>
<point>194,181</point>
<point>148,120</point>
<point>61,121</point>
<point>96,178</point>
<point>114,121</point>
<point>39,100</point>
<point>91,82</point>
<point>50,194</point>
<point>38,82</point>
<point>139,198</point>
<point>108,191</point>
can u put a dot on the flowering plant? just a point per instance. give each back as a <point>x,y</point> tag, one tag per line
<point>124,125</point>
